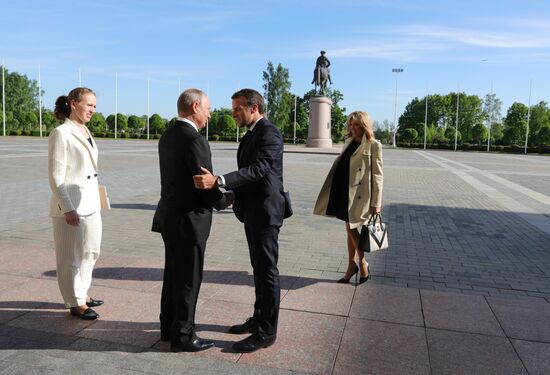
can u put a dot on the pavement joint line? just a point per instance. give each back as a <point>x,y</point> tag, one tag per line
<point>507,203</point>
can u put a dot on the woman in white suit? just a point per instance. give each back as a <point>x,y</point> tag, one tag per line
<point>75,204</point>
<point>353,188</point>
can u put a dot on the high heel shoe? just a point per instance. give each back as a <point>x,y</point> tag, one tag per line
<point>365,279</point>
<point>345,280</point>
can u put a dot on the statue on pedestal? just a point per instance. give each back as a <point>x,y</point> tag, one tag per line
<point>321,74</point>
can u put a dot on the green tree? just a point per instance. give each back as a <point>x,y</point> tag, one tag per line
<point>122,123</point>
<point>97,123</point>
<point>29,121</point>
<point>539,118</point>
<point>135,124</point>
<point>451,134</point>
<point>479,134</point>
<point>157,124</point>
<point>543,136</point>
<point>497,133</point>
<point>222,123</point>
<point>515,124</point>
<point>48,120</point>
<point>493,115</point>
<point>277,85</point>
<point>410,135</point>
<point>21,98</point>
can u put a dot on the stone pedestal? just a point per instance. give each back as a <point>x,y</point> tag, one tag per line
<point>318,134</point>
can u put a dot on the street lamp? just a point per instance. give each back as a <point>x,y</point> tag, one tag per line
<point>394,128</point>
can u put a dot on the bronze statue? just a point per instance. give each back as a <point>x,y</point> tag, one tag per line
<point>321,73</point>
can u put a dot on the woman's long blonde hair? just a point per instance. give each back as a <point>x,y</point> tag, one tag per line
<point>363,119</point>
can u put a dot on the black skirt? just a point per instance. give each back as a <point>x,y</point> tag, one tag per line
<point>338,200</point>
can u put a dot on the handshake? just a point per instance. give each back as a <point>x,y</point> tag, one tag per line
<point>207,180</point>
<point>225,201</point>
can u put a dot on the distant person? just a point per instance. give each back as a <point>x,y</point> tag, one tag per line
<point>184,217</point>
<point>353,188</point>
<point>260,205</point>
<point>75,205</point>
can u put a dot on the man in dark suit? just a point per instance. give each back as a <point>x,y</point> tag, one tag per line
<point>184,217</point>
<point>260,205</point>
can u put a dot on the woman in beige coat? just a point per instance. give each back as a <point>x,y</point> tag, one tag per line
<point>75,204</point>
<point>353,188</point>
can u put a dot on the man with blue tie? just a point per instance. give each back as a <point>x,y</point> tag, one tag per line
<point>260,205</point>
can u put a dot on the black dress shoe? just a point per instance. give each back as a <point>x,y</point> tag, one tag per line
<point>365,279</point>
<point>345,280</point>
<point>250,326</point>
<point>94,302</point>
<point>254,342</point>
<point>196,345</point>
<point>88,314</point>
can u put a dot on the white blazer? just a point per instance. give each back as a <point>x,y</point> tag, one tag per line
<point>72,171</point>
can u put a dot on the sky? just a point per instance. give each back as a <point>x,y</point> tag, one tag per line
<point>220,46</point>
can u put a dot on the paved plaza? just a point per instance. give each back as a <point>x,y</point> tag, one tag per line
<point>463,289</point>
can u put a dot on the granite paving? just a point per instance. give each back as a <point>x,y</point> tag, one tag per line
<point>463,289</point>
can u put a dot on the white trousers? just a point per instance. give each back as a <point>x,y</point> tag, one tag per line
<point>76,251</point>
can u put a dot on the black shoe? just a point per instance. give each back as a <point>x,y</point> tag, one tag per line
<point>94,302</point>
<point>88,314</point>
<point>254,342</point>
<point>196,345</point>
<point>250,326</point>
<point>365,279</point>
<point>164,336</point>
<point>345,280</point>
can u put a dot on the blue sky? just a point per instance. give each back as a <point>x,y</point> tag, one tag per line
<point>220,46</point>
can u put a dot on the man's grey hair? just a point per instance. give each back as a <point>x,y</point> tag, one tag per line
<point>187,98</point>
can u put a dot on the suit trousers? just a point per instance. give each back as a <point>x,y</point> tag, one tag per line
<point>76,251</point>
<point>263,246</point>
<point>183,271</point>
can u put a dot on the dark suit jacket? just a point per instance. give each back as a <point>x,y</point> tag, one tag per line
<point>182,151</point>
<point>258,184</point>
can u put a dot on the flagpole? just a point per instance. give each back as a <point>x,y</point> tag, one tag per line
<point>426,121</point>
<point>238,88</point>
<point>39,101</point>
<point>116,103</point>
<point>207,120</point>
<point>295,101</point>
<point>456,128</point>
<point>148,100</point>
<point>3,98</point>
<point>490,119</point>
<point>528,117</point>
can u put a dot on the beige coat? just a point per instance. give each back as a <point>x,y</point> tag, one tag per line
<point>72,171</point>
<point>365,182</point>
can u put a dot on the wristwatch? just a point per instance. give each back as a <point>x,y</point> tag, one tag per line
<point>220,182</point>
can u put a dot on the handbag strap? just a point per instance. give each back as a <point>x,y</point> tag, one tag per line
<point>374,218</point>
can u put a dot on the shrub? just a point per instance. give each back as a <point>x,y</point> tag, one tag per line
<point>123,135</point>
<point>215,137</point>
<point>136,136</point>
<point>156,136</point>
<point>15,132</point>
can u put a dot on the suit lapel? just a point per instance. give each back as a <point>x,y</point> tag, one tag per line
<point>92,151</point>
<point>243,145</point>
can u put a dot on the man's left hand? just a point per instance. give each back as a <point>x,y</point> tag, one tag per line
<point>206,180</point>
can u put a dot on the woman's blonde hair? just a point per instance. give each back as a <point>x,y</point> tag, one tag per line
<point>364,120</point>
